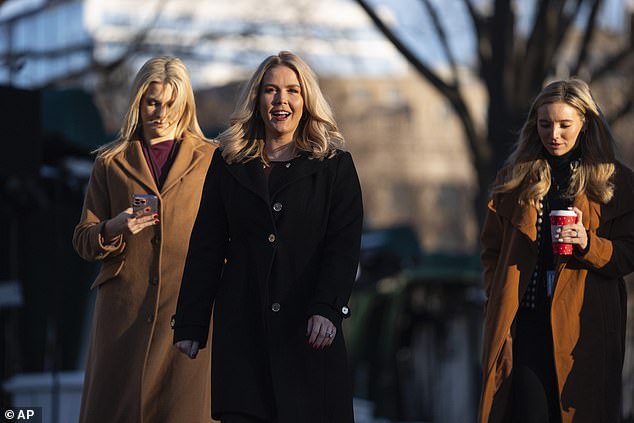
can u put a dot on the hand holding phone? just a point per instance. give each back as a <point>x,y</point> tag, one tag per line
<point>141,203</point>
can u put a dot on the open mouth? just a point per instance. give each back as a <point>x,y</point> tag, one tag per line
<point>280,114</point>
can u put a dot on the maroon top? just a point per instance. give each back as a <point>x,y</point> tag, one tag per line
<point>159,158</point>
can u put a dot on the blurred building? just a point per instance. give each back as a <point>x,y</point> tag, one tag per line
<point>44,42</point>
<point>408,146</point>
<point>413,163</point>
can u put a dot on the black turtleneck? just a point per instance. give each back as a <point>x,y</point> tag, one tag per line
<point>560,172</point>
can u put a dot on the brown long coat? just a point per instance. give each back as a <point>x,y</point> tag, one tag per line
<point>588,307</point>
<point>134,373</point>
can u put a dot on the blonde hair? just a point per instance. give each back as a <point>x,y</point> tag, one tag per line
<point>527,169</point>
<point>316,134</point>
<point>162,70</point>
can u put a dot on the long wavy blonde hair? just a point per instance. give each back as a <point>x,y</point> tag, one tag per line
<point>317,133</point>
<point>163,70</point>
<point>527,169</point>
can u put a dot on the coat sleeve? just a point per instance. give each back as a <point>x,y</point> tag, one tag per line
<point>341,246</point>
<point>490,241</point>
<point>205,260</point>
<point>87,237</point>
<point>612,257</point>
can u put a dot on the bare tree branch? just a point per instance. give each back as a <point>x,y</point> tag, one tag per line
<point>622,111</point>
<point>444,41</point>
<point>85,47</point>
<point>612,62</point>
<point>539,25</point>
<point>542,45</point>
<point>132,48</point>
<point>482,36</point>
<point>565,20</point>
<point>501,33</point>
<point>403,49</point>
<point>478,145</point>
<point>450,91</point>
<point>587,36</point>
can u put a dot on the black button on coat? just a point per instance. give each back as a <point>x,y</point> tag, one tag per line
<point>263,365</point>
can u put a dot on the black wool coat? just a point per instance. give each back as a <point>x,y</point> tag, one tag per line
<point>268,254</point>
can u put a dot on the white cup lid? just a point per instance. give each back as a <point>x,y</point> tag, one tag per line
<point>562,213</point>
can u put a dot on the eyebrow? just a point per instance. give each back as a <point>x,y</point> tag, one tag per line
<point>157,98</point>
<point>270,84</point>
<point>550,120</point>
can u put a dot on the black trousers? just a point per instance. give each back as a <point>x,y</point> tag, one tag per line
<point>534,392</point>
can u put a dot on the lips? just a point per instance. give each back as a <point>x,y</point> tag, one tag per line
<point>280,114</point>
<point>158,123</point>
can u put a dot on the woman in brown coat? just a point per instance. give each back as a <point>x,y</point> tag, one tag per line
<point>555,325</point>
<point>134,374</point>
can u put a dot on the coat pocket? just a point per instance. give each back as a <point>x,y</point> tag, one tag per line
<point>110,269</point>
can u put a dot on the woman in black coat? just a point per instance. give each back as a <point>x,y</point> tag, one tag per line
<point>275,250</point>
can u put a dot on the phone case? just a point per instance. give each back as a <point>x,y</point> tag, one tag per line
<point>142,201</point>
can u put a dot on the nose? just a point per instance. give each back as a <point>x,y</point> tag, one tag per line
<point>280,98</point>
<point>554,132</point>
<point>161,111</point>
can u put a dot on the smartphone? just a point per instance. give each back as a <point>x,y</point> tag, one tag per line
<point>140,202</point>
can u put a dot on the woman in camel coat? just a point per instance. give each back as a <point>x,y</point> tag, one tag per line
<point>134,374</point>
<point>554,348</point>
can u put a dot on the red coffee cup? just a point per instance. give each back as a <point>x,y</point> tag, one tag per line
<point>559,218</point>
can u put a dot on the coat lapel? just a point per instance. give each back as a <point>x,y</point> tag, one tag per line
<point>133,161</point>
<point>136,166</point>
<point>293,171</point>
<point>522,216</point>
<point>187,157</point>
<point>251,176</point>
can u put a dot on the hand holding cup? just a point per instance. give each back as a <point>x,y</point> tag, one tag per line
<point>567,231</point>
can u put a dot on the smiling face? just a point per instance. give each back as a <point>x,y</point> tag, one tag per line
<point>281,103</point>
<point>558,126</point>
<point>156,111</point>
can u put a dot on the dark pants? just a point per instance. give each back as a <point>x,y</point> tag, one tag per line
<point>534,393</point>
<point>533,398</point>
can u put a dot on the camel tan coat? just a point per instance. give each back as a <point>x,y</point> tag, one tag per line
<point>588,306</point>
<point>134,373</point>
